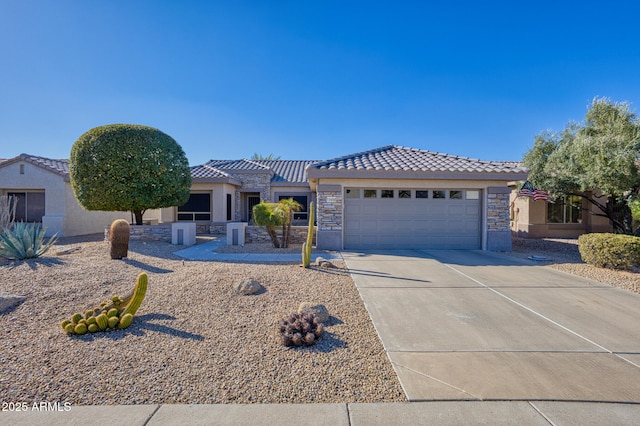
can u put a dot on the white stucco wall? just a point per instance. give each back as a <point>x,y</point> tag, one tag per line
<point>36,178</point>
<point>63,214</point>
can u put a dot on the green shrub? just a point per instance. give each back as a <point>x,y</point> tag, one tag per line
<point>610,250</point>
<point>24,241</point>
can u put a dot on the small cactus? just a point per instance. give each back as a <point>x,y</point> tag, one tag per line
<point>308,245</point>
<point>102,321</point>
<point>113,322</point>
<point>119,234</point>
<point>300,329</point>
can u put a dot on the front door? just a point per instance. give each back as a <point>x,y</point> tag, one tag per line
<point>252,200</point>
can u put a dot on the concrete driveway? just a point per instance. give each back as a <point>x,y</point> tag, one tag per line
<point>474,325</point>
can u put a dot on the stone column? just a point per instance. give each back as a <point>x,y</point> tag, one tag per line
<point>498,231</point>
<point>330,217</point>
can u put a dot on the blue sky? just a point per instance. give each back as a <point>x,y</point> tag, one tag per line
<point>311,80</point>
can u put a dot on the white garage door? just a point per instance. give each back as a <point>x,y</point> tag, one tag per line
<point>412,218</point>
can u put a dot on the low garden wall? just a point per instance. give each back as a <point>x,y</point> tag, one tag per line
<point>253,234</point>
<point>147,233</point>
<point>258,234</point>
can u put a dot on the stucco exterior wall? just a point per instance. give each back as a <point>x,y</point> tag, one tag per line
<point>529,220</point>
<point>63,214</point>
<point>78,221</point>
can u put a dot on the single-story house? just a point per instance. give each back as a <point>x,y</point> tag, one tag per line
<point>44,194</point>
<point>389,197</point>
<point>568,217</point>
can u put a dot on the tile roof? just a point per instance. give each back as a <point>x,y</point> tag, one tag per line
<point>283,171</point>
<point>206,171</point>
<point>399,158</point>
<point>58,166</point>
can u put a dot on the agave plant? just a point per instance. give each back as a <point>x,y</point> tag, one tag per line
<point>24,241</point>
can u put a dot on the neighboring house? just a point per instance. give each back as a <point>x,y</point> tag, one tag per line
<point>390,197</point>
<point>44,195</point>
<point>568,217</point>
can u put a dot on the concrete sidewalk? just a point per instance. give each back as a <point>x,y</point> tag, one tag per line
<point>413,413</point>
<point>207,251</point>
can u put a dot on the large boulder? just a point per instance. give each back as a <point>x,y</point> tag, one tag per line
<point>320,311</point>
<point>9,301</point>
<point>248,286</point>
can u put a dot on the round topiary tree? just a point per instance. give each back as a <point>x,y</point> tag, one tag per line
<point>128,167</point>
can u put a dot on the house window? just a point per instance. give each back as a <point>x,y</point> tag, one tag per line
<point>303,214</point>
<point>198,207</point>
<point>565,210</point>
<point>229,207</point>
<point>29,206</point>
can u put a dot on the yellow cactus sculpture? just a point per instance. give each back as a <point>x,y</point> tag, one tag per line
<point>115,314</point>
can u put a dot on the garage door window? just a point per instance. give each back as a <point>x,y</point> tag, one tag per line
<point>370,193</point>
<point>439,194</point>
<point>404,193</point>
<point>422,194</point>
<point>352,193</point>
<point>386,193</point>
<point>473,195</point>
<point>455,195</point>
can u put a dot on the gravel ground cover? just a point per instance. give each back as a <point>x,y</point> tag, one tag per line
<point>193,339</point>
<point>564,256</point>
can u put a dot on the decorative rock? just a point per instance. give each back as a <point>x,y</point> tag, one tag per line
<point>248,287</point>
<point>324,263</point>
<point>8,302</point>
<point>320,311</point>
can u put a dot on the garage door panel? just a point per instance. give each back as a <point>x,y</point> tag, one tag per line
<point>412,223</point>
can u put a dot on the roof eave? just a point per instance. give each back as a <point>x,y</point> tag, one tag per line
<point>410,174</point>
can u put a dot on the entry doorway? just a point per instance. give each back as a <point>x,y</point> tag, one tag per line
<point>251,200</point>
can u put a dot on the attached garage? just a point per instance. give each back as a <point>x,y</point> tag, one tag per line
<point>415,218</point>
<point>396,197</point>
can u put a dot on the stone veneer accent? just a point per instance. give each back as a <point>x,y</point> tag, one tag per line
<point>330,210</point>
<point>258,234</point>
<point>330,220</point>
<point>252,182</point>
<point>498,230</point>
<point>146,233</point>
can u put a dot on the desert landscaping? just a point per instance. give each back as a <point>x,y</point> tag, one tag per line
<point>193,340</point>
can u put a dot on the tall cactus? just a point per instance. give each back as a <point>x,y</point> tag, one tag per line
<point>117,313</point>
<point>308,245</point>
<point>119,238</point>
